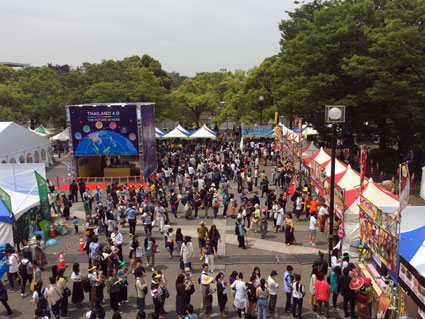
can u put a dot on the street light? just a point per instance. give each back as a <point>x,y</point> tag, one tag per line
<point>334,114</point>
<point>261,100</point>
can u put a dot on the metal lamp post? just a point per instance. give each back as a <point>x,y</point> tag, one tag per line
<point>334,114</point>
<point>261,100</point>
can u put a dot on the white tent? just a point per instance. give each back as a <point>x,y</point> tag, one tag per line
<point>61,137</point>
<point>378,196</point>
<point>339,167</point>
<point>18,180</point>
<point>349,179</point>
<point>204,132</point>
<point>310,150</point>
<point>159,133</point>
<point>178,132</point>
<point>19,145</point>
<point>321,156</point>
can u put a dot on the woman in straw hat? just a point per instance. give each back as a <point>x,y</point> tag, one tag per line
<point>207,293</point>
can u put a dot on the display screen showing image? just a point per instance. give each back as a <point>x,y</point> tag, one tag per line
<point>104,130</point>
<point>149,141</point>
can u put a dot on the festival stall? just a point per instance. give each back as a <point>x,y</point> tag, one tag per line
<point>159,133</point>
<point>21,200</point>
<point>178,132</point>
<point>412,259</point>
<point>378,232</point>
<point>61,137</point>
<point>204,132</point>
<point>27,147</point>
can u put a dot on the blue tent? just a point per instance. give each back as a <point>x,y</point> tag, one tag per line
<point>4,214</point>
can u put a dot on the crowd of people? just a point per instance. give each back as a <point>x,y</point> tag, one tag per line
<point>192,181</point>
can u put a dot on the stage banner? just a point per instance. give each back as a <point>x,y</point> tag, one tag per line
<point>363,159</point>
<point>104,130</point>
<point>404,186</point>
<point>257,131</point>
<point>42,193</point>
<point>5,198</point>
<point>149,141</point>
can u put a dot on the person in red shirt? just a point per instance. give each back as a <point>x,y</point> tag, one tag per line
<point>323,293</point>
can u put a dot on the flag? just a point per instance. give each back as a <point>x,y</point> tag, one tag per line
<point>300,129</point>
<point>363,158</point>
<point>404,186</point>
<point>5,198</point>
<point>275,117</point>
<point>42,192</point>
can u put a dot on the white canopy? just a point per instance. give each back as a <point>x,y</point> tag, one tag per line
<point>178,132</point>
<point>20,145</point>
<point>321,156</point>
<point>339,167</point>
<point>61,137</point>
<point>310,150</point>
<point>204,132</point>
<point>349,179</point>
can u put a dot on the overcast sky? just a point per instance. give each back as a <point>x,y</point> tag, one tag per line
<point>186,36</point>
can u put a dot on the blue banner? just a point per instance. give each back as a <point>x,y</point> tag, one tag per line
<point>258,131</point>
<point>149,140</point>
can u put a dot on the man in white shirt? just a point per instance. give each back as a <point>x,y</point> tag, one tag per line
<point>298,207</point>
<point>116,236</point>
<point>273,286</point>
<point>312,228</point>
<point>12,262</point>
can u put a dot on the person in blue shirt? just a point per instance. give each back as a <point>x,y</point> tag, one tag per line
<point>131,213</point>
<point>287,286</point>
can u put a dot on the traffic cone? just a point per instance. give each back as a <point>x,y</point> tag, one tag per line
<point>412,178</point>
<point>377,167</point>
<point>52,231</point>
<point>81,248</point>
<point>61,261</point>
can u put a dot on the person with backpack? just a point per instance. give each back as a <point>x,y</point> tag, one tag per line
<point>240,232</point>
<point>298,293</point>
<point>252,296</point>
<point>287,287</point>
<point>24,270</point>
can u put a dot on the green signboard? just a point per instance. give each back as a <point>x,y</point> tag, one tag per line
<point>5,198</point>
<point>44,198</point>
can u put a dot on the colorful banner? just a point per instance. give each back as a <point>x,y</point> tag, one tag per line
<point>44,199</point>
<point>257,131</point>
<point>383,304</point>
<point>339,196</point>
<point>378,230</point>
<point>5,198</point>
<point>149,141</point>
<point>275,117</point>
<point>317,176</point>
<point>104,130</point>
<point>401,301</point>
<point>363,161</point>
<point>404,186</point>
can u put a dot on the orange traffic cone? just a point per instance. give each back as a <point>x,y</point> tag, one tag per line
<point>61,261</point>
<point>52,231</point>
<point>81,248</point>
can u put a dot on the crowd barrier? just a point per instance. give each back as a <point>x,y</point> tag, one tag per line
<point>138,179</point>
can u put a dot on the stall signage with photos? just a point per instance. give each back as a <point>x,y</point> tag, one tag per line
<point>339,196</point>
<point>383,304</point>
<point>412,282</point>
<point>317,178</point>
<point>375,236</point>
<point>104,130</point>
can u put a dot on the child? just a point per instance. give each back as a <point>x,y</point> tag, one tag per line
<point>122,274</point>
<point>75,223</point>
<point>190,314</point>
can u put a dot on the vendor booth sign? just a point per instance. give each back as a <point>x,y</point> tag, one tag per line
<point>317,176</point>
<point>339,196</point>
<point>412,282</point>
<point>257,131</point>
<point>378,232</point>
